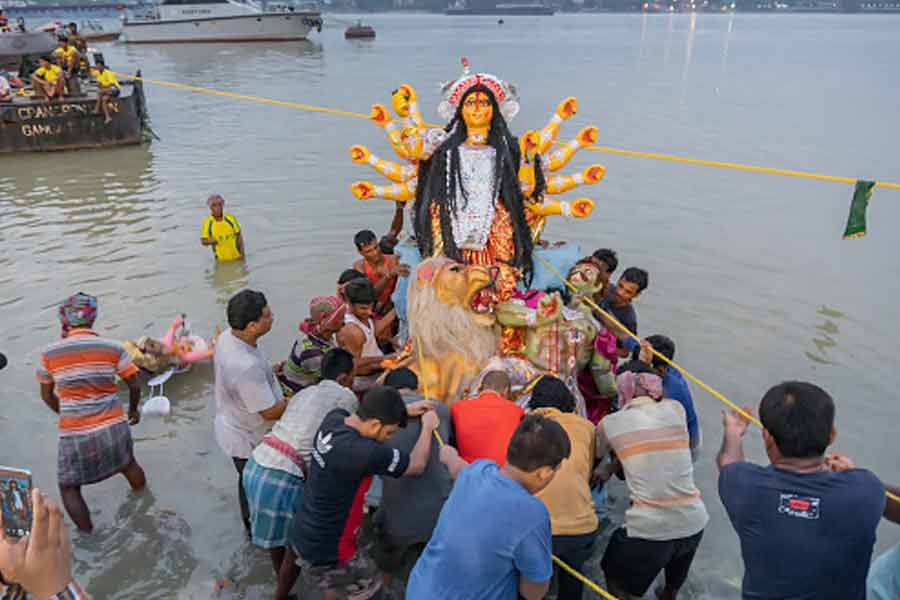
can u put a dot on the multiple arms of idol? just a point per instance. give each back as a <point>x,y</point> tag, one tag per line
<point>412,141</point>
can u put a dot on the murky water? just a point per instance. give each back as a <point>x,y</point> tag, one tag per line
<point>748,272</point>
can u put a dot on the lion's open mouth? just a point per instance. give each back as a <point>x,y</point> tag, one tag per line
<point>483,300</point>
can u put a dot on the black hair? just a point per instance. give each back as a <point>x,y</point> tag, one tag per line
<point>609,257</point>
<point>385,404</point>
<point>635,366</point>
<point>800,417</point>
<point>439,178</point>
<point>245,307</point>
<point>538,442</point>
<point>62,38</point>
<point>360,291</point>
<point>349,275</point>
<point>402,378</point>
<point>551,392</point>
<point>637,276</point>
<point>2,361</point>
<point>72,26</point>
<point>364,238</point>
<point>662,344</point>
<point>336,362</point>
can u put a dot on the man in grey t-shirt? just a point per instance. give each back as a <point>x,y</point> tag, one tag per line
<point>248,397</point>
<point>410,505</point>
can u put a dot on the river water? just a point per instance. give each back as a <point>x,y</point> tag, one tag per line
<point>748,272</point>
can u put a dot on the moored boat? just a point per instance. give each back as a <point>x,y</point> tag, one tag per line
<point>359,32</point>
<point>184,21</point>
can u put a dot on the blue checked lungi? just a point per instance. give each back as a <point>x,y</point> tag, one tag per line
<point>272,495</point>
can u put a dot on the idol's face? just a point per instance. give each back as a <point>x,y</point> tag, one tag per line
<point>477,110</point>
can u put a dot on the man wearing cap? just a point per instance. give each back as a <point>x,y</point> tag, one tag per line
<point>77,375</point>
<point>222,231</point>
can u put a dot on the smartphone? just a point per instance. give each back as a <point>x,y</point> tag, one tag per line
<point>15,500</point>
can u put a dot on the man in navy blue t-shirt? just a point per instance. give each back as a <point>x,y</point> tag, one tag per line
<point>492,540</point>
<point>348,447</point>
<point>807,521</point>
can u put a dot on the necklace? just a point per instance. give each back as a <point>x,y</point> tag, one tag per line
<point>477,138</point>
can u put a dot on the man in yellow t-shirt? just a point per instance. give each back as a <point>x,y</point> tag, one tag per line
<point>221,231</point>
<point>107,88</point>
<point>69,59</point>
<point>48,80</point>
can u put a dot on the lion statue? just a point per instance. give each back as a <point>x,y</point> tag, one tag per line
<point>450,313</point>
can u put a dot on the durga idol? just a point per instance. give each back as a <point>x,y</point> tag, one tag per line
<point>478,192</point>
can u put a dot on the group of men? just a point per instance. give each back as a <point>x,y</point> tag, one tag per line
<point>61,73</point>
<point>476,499</point>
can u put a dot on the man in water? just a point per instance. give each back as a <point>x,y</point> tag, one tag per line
<point>248,397</point>
<point>348,448</point>
<point>381,270</point>
<point>492,539</point>
<point>806,521</point>
<point>221,231</point>
<point>360,333</point>
<point>77,375</point>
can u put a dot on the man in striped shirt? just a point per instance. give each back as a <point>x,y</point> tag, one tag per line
<point>77,375</point>
<point>665,522</point>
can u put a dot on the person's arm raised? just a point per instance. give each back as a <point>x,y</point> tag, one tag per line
<point>274,413</point>
<point>451,459</point>
<point>735,426</point>
<point>418,458</point>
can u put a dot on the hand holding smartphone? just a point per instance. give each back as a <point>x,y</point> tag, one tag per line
<point>15,501</point>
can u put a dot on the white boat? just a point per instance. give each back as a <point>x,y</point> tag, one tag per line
<point>221,21</point>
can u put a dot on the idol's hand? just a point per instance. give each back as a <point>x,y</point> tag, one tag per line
<point>567,107</point>
<point>380,115</point>
<point>588,136</point>
<point>409,91</point>
<point>529,144</point>
<point>581,207</point>
<point>363,190</point>
<point>593,173</point>
<point>359,154</point>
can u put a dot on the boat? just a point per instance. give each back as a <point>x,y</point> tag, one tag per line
<point>92,31</point>
<point>511,9</point>
<point>359,32</point>
<point>184,21</point>
<point>30,124</point>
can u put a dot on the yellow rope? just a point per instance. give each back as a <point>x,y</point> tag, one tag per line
<point>583,579</point>
<point>679,159</point>
<point>709,163</point>
<point>671,363</point>
<point>424,380</point>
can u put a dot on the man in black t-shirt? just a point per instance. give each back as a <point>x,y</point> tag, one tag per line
<point>618,302</point>
<point>348,448</point>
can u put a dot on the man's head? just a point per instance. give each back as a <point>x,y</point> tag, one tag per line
<point>537,448</point>
<point>798,420</point>
<point>382,412</point>
<point>662,344</point>
<point>367,245</point>
<point>631,283</point>
<point>326,316</point>
<point>346,277</point>
<point>387,243</point>
<point>637,379</point>
<point>551,392</point>
<point>402,379</point>
<point>607,261</point>
<point>249,313</point>
<point>99,64</point>
<point>78,311</point>
<point>497,381</point>
<point>63,41</point>
<point>361,298</point>
<point>216,204</point>
<point>73,28</point>
<point>2,361</point>
<point>337,365</point>
<point>45,61</point>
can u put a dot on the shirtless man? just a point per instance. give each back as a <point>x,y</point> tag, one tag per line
<point>360,333</point>
<point>381,270</point>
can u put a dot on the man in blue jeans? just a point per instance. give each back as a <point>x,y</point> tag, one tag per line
<point>492,540</point>
<point>807,521</point>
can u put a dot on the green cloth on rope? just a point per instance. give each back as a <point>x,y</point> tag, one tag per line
<point>856,220</point>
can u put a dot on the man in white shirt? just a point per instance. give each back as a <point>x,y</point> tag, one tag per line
<point>248,397</point>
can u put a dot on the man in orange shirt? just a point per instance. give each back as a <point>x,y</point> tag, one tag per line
<point>78,382</point>
<point>485,424</point>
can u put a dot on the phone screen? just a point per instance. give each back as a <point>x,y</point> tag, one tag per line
<point>15,500</point>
